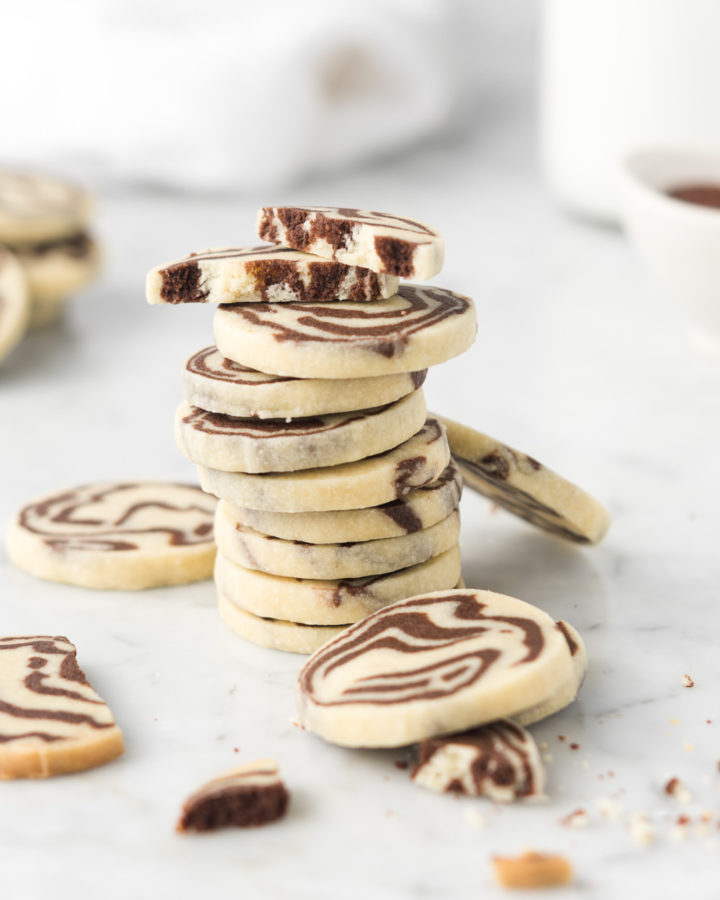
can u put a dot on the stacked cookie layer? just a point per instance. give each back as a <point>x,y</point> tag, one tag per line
<point>308,420</point>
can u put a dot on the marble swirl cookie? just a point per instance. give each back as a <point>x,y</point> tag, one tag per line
<point>500,761</point>
<point>217,384</point>
<point>55,270</point>
<point>330,601</point>
<point>264,274</point>
<point>14,302</point>
<point>525,487</point>
<point>431,665</point>
<point>124,536</point>
<point>421,508</point>
<point>417,328</point>
<point>368,482</point>
<point>274,445</point>
<point>356,559</point>
<point>275,634</point>
<point>378,241</point>
<point>51,720</point>
<point>36,207</point>
<point>246,796</point>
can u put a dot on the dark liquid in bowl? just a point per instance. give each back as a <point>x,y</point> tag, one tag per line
<point>700,194</point>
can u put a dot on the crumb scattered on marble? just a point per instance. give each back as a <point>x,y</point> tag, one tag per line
<point>474,818</point>
<point>548,757</point>
<point>687,681</point>
<point>236,749</point>
<point>561,737</point>
<point>675,788</point>
<point>688,746</point>
<point>578,818</point>
<point>609,809</point>
<point>574,746</point>
<point>641,830</point>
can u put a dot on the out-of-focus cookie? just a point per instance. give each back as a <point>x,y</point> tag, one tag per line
<point>430,665</point>
<point>525,487</point>
<point>355,559</point>
<point>532,870</point>
<point>35,207</point>
<point>124,536</point>
<point>330,601</point>
<point>217,384</point>
<point>56,270</point>
<point>249,795</point>
<point>51,720</point>
<point>500,761</point>
<point>14,302</point>
<point>368,482</point>
<point>417,328</point>
<point>263,274</point>
<point>359,237</point>
<point>231,444</point>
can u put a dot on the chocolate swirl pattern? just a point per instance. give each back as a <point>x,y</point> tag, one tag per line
<point>429,665</point>
<point>499,761</point>
<point>379,241</point>
<point>416,328</point>
<point>51,720</point>
<point>117,535</point>
<point>263,274</point>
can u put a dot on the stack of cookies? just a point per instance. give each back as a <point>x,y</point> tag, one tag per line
<point>307,419</point>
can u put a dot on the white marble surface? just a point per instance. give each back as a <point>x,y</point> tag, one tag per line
<point>578,361</point>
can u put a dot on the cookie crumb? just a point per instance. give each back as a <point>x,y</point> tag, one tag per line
<point>474,818</point>
<point>609,809</point>
<point>532,870</point>
<point>574,746</point>
<point>675,788</point>
<point>578,818</point>
<point>641,830</point>
<point>561,737</point>
<point>687,681</point>
<point>401,764</point>
<point>688,746</point>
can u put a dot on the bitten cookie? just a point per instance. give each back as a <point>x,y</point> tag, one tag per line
<point>417,328</point>
<point>378,241</point>
<point>262,274</point>
<point>367,482</point>
<point>14,302</point>
<point>356,559</point>
<point>525,487</point>
<point>51,720</point>
<point>271,445</point>
<point>217,384</point>
<point>500,761</point>
<point>124,536</point>
<point>432,665</point>
<point>330,602</point>
<point>249,795</point>
<point>420,509</point>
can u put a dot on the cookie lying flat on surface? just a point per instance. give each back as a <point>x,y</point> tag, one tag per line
<point>368,482</point>
<point>250,795</point>
<point>274,445</point>
<point>14,302</point>
<point>264,274</point>
<point>499,761</point>
<point>421,508</point>
<point>532,870</point>
<point>51,720</point>
<point>57,269</point>
<point>525,487</point>
<point>417,328</point>
<point>124,536</point>
<point>378,241</point>
<point>356,559</point>
<point>220,385</point>
<point>330,602</point>
<point>429,665</point>
<point>36,207</point>
<point>275,634</point>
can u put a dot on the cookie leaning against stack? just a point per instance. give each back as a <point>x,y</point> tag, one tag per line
<point>308,419</point>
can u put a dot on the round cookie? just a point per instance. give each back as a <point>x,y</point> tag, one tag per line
<point>330,602</point>
<point>275,634</point>
<point>367,482</point>
<point>296,559</point>
<point>429,665</point>
<point>525,487</point>
<point>271,445</point>
<point>417,328</point>
<point>14,302</point>
<point>36,207</point>
<point>217,384</point>
<point>56,270</point>
<point>421,508</point>
<point>118,536</point>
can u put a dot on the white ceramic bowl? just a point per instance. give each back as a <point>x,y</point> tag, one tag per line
<point>678,241</point>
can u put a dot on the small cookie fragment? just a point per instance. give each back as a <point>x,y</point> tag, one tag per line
<point>500,761</point>
<point>250,795</point>
<point>51,720</point>
<point>532,870</point>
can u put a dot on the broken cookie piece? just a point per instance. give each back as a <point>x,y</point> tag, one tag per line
<point>532,870</point>
<point>250,795</point>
